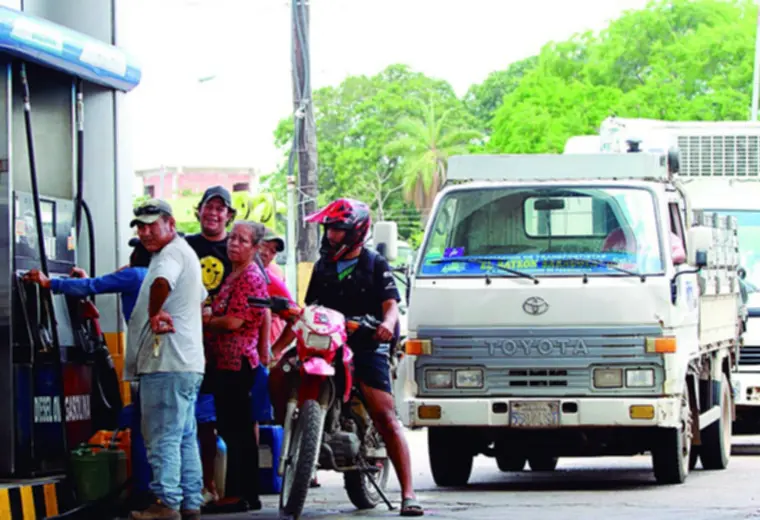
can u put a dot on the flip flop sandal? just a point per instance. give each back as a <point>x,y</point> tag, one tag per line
<point>411,507</point>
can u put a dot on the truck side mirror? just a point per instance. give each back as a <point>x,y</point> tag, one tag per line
<point>700,260</point>
<point>386,239</point>
<point>699,240</point>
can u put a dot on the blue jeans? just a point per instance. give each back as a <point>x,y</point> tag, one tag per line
<point>167,402</point>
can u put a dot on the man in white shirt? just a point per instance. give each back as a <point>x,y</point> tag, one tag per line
<point>165,353</point>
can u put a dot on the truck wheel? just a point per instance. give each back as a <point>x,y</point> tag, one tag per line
<point>671,453</point>
<point>450,456</point>
<point>543,463</point>
<point>715,450</point>
<point>510,462</point>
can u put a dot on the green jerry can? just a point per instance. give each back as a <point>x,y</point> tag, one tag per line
<point>97,470</point>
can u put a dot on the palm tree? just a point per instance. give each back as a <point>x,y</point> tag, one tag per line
<point>424,146</point>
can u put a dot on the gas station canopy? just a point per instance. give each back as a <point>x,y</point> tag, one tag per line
<point>54,46</point>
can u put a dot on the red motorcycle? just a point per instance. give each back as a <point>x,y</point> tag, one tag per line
<point>326,424</point>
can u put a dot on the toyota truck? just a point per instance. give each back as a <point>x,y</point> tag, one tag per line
<point>572,306</point>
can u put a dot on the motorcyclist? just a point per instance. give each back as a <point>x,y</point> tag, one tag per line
<point>355,280</point>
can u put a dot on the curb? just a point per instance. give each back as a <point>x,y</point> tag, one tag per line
<point>33,501</point>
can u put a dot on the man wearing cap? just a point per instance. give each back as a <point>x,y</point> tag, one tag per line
<point>165,353</point>
<point>215,213</point>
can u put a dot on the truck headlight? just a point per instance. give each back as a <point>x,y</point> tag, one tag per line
<point>438,379</point>
<point>469,378</point>
<point>608,377</point>
<point>639,377</point>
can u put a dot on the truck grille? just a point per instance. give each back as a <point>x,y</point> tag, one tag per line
<point>749,355</point>
<point>719,155</point>
<point>532,362</point>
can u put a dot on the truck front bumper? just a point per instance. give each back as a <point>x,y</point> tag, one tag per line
<point>573,412</point>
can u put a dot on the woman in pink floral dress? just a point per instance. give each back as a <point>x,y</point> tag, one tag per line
<point>238,340</point>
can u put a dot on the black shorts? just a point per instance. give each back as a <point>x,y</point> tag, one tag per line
<point>373,368</point>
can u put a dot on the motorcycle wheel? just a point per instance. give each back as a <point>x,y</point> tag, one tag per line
<point>359,489</point>
<point>302,459</point>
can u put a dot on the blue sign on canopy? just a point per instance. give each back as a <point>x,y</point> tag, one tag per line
<point>40,41</point>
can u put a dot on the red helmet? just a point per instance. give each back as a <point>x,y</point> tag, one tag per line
<point>349,215</point>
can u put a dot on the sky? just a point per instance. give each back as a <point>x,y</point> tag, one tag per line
<point>244,46</point>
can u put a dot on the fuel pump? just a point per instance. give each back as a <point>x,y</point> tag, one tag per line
<point>57,379</point>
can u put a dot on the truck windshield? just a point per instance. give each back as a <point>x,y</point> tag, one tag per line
<point>544,231</point>
<point>748,222</point>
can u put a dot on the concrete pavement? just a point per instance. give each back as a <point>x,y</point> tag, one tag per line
<point>610,488</point>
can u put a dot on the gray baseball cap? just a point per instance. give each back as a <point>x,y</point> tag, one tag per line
<point>271,236</point>
<point>150,211</point>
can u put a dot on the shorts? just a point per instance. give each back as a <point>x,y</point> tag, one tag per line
<point>261,403</point>
<point>205,409</point>
<point>373,367</point>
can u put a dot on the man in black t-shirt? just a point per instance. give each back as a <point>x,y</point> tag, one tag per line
<point>215,213</point>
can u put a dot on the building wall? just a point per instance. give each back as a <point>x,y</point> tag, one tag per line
<point>174,184</point>
<point>172,181</point>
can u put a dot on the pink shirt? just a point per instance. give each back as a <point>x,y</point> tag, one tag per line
<point>229,347</point>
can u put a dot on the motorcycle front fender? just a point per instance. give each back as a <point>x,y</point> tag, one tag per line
<point>316,366</point>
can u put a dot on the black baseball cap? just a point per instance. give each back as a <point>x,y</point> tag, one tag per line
<point>216,191</point>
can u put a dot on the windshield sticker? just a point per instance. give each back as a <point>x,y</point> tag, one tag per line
<point>453,251</point>
<point>537,263</point>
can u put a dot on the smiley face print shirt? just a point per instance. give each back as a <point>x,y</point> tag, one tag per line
<point>215,266</point>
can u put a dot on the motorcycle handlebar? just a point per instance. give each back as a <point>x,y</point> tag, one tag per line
<point>281,306</point>
<point>367,322</point>
<point>278,305</point>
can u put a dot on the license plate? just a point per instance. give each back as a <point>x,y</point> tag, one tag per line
<point>534,414</point>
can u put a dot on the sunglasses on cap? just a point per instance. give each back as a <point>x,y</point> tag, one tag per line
<point>148,210</point>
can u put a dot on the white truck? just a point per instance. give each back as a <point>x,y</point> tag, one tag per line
<point>720,170</point>
<point>571,305</point>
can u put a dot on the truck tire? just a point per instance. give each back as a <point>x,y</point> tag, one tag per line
<point>671,453</point>
<point>715,450</point>
<point>542,463</point>
<point>509,462</point>
<point>450,456</point>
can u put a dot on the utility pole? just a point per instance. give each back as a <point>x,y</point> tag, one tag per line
<point>305,132</point>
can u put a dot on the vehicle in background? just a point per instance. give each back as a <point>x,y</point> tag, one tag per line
<point>572,305</point>
<point>720,170</point>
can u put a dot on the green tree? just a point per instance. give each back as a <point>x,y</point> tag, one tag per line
<point>355,120</point>
<point>424,147</point>
<point>483,99</point>
<point>674,60</point>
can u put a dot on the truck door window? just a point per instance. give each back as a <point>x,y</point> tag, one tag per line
<point>677,242</point>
